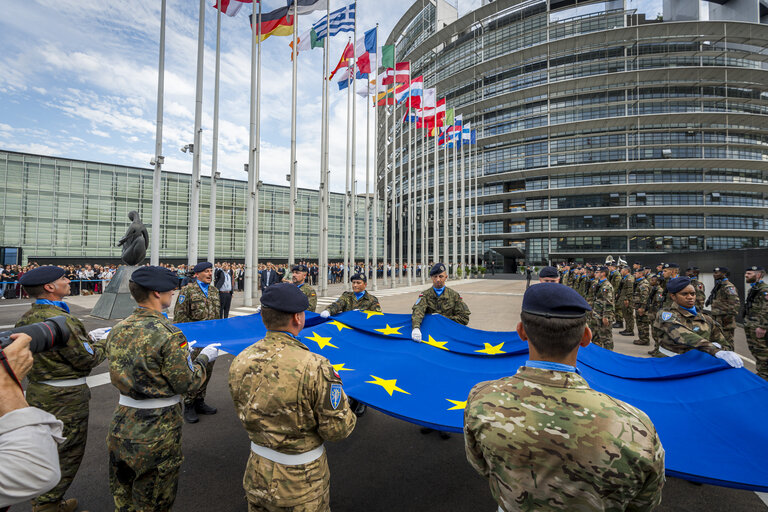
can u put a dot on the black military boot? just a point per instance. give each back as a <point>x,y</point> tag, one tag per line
<point>190,416</point>
<point>618,325</point>
<point>203,408</point>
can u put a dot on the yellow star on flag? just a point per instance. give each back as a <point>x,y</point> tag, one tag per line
<point>321,342</point>
<point>339,367</point>
<point>372,313</point>
<point>438,344</point>
<point>388,331</point>
<point>492,349</point>
<point>457,405</point>
<point>339,325</point>
<point>388,385</point>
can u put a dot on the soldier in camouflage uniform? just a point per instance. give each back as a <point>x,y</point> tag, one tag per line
<point>725,303</point>
<point>669,272</point>
<point>589,451</point>
<point>640,298</point>
<point>299,278</point>
<point>655,301</point>
<point>150,365</point>
<point>701,294</point>
<point>684,328</point>
<point>289,400</point>
<point>590,286</point>
<point>439,299</point>
<point>614,276</point>
<point>358,299</point>
<point>756,318</point>
<point>57,378</point>
<point>198,301</point>
<point>603,308</point>
<point>625,301</point>
<point>567,276</point>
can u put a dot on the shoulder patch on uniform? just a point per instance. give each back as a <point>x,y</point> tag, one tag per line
<point>190,364</point>
<point>181,299</point>
<point>335,395</point>
<point>665,316</point>
<point>88,347</point>
<point>418,300</point>
<point>732,291</point>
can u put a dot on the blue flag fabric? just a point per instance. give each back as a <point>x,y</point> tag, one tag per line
<point>710,417</point>
<point>340,20</point>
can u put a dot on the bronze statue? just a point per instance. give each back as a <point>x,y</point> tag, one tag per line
<point>135,241</point>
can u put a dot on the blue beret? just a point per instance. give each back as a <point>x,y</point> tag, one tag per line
<point>437,269</point>
<point>41,275</point>
<point>359,277</point>
<point>158,279</point>
<point>756,268</point>
<point>554,300</point>
<point>678,284</point>
<point>548,272</point>
<point>671,265</point>
<point>603,269</point>
<point>299,268</point>
<point>720,269</point>
<point>202,266</point>
<point>285,297</point>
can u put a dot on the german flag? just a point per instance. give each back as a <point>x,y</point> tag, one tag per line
<point>275,23</point>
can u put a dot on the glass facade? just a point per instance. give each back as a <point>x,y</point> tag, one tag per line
<point>55,208</point>
<point>599,119</point>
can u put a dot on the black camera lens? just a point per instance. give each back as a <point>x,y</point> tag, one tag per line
<point>45,335</point>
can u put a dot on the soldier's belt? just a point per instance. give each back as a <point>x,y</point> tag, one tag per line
<point>288,459</point>
<point>149,403</point>
<point>666,352</point>
<point>63,383</point>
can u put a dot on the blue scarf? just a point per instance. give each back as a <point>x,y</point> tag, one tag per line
<point>549,365</point>
<point>203,286</point>
<point>439,291</point>
<point>690,310</point>
<point>360,295</point>
<point>56,303</point>
<point>291,335</point>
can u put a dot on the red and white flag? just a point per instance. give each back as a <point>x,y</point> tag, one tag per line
<point>231,7</point>
<point>401,74</point>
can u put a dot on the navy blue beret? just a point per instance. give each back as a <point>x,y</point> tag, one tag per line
<point>202,266</point>
<point>299,268</point>
<point>41,275</point>
<point>359,277</point>
<point>285,297</point>
<point>554,300</point>
<point>548,272</point>
<point>720,269</point>
<point>158,279</point>
<point>678,284</point>
<point>671,265</point>
<point>756,268</point>
<point>602,269</point>
<point>437,268</point>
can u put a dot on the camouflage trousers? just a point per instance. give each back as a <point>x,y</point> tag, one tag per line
<point>190,397</point>
<point>618,317</point>
<point>643,328</point>
<point>144,474</point>
<point>728,324</point>
<point>602,335</point>
<point>628,314</point>
<point>321,504</point>
<point>759,349</point>
<point>70,405</point>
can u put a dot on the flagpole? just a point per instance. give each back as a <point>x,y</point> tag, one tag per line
<point>464,233</point>
<point>446,201</point>
<point>347,185</point>
<point>194,204</point>
<point>436,190</point>
<point>154,246</point>
<point>326,157</point>
<point>456,215</point>
<point>366,238</point>
<point>292,199</point>
<point>384,258</point>
<point>353,197</point>
<point>393,209</point>
<point>375,259</point>
<point>255,165</point>
<point>322,257</point>
<point>215,147</point>
<point>423,196</point>
<point>410,182</point>
<point>248,292</point>
<point>401,196</point>
<point>477,226</point>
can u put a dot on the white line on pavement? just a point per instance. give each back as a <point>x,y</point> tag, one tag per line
<point>25,304</point>
<point>6,326</point>
<point>763,496</point>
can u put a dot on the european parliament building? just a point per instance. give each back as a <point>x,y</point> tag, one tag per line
<point>603,128</point>
<point>59,210</point>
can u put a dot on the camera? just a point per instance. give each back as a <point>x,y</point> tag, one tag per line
<point>45,335</point>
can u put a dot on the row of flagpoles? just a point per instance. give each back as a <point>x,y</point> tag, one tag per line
<point>393,87</point>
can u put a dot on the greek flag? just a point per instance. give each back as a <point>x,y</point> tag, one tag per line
<point>341,20</point>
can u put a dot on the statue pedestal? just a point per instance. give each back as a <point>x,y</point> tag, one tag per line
<point>116,301</point>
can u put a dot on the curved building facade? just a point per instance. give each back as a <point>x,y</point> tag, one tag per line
<point>601,128</point>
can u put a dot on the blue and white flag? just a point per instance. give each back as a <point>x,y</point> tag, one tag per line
<point>340,20</point>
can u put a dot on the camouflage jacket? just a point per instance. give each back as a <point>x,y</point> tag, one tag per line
<point>567,278</point>
<point>546,441</point>
<point>603,303</point>
<point>580,287</point>
<point>701,295</point>
<point>193,306</point>
<point>641,294</point>
<point>348,302</point>
<point>724,298</point>
<point>681,331</point>
<point>72,361</point>
<point>656,299</point>
<point>615,279</point>
<point>592,286</point>
<point>149,358</point>
<point>290,400</point>
<point>311,296</point>
<point>627,286</point>
<point>756,305</point>
<point>449,304</point>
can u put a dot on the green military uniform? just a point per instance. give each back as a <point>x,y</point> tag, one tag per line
<point>311,296</point>
<point>566,278</point>
<point>725,307</point>
<point>756,315</point>
<point>615,279</point>
<point>701,295</point>
<point>546,441</point>
<point>640,301</point>
<point>591,290</point>
<point>148,359</point>
<point>193,305</point>
<point>348,302</point>
<point>655,302</point>
<point>581,285</point>
<point>603,307</point>
<point>682,331</point>
<point>69,403</point>
<point>625,295</point>
<point>449,304</point>
<point>289,400</point>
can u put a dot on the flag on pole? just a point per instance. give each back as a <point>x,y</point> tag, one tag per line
<point>275,23</point>
<point>230,7</point>
<point>306,6</point>
<point>417,91</point>
<point>307,41</point>
<point>388,56</point>
<point>400,73</point>
<point>348,53</point>
<point>449,117</point>
<point>370,90</point>
<point>388,97</point>
<point>440,112</point>
<point>429,98</point>
<point>365,51</point>
<point>340,20</point>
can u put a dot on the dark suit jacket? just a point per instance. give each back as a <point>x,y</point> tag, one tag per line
<point>218,278</point>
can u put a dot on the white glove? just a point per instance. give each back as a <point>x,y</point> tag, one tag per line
<point>416,335</point>
<point>189,345</point>
<point>732,358</point>
<point>211,351</point>
<point>99,334</point>
<point>717,344</point>
<point>258,310</point>
<point>325,314</point>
